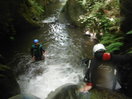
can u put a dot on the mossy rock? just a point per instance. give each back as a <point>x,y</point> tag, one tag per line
<point>8,84</point>
<point>106,94</point>
<point>73,11</point>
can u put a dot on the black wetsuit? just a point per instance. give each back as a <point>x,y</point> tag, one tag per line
<point>123,65</point>
<point>37,51</point>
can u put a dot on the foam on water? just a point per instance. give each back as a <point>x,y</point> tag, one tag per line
<point>40,78</point>
<point>50,78</point>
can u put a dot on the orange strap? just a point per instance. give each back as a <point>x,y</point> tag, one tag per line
<point>106,56</point>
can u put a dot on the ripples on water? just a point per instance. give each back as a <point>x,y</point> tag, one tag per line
<point>61,62</point>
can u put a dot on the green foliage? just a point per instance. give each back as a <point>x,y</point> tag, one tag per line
<point>100,17</point>
<point>89,4</point>
<point>103,17</point>
<point>105,94</point>
<point>114,46</point>
<point>130,52</point>
<point>32,11</point>
<point>37,9</point>
<point>130,32</point>
<point>112,42</point>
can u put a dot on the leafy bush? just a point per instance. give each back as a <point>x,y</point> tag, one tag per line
<point>103,17</point>
<point>130,32</point>
<point>112,42</point>
<point>37,9</point>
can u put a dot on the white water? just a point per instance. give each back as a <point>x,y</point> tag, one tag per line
<point>43,77</point>
<point>52,77</point>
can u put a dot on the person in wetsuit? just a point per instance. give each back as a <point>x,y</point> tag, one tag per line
<point>37,51</point>
<point>123,65</point>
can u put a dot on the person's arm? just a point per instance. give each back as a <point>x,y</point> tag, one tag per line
<point>88,78</point>
<point>114,58</point>
<point>127,58</point>
<point>88,81</point>
<point>42,49</point>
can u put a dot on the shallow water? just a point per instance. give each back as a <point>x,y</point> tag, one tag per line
<point>65,48</point>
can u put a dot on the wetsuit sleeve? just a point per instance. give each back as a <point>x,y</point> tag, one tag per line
<point>127,58</point>
<point>42,48</point>
<point>88,77</point>
<point>122,59</point>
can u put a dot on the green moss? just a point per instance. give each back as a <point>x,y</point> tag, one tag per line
<point>102,17</point>
<point>32,11</point>
<point>4,68</point>
<point>105,94</point>
<point>17,15</point>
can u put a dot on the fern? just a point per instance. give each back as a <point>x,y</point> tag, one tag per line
<point>112,42</point>
<point>130,32</point>
<point>114,46</point>
<point>36,8</point>
<point>110,38</point>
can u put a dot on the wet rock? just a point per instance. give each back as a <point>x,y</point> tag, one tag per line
<point>68,91</point>
<point>126,13</point>
<point>24,96</point>
<point>73,11</point>
<point>8,84</point>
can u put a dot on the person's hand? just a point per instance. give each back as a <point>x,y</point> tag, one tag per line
<point>33,58</point>
<point>85,88</point>
<point>45,52</point>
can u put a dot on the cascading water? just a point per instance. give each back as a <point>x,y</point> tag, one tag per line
<point>62,59</point>
<point>65,48</point>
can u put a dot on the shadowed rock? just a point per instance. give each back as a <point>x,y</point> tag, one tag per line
<point>68,91</point>
<point>24,96</point>
<point>8,84</point>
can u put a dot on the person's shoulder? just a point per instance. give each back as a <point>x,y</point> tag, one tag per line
<point>33,45</point>
<point>40,45</point>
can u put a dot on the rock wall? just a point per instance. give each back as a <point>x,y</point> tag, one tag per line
<point>126,13</point>
<point>8,84</point>
<point>73,11</point>
<point>126,23</point>
<point>20,15</point>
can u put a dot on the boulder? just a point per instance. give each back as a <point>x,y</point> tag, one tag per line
<point>8,84</point>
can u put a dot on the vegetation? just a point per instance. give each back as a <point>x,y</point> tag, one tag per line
<point>103,18</point>
<point>105,94</point>
<point>19,15</point>
<point>32,11</point>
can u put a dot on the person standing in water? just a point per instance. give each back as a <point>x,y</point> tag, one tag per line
<point>37,51</point>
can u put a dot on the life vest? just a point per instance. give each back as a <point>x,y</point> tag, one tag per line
<point>37,50</point>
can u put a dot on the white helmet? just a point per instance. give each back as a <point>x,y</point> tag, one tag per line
<point>98,47</point>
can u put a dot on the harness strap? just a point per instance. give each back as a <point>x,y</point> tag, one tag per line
<point>89,63</point>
